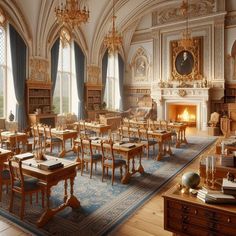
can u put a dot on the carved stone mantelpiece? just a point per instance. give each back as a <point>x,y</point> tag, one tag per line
<point>93,74</point>
<point>189,96</point>
<point>39,70</point>
<point>197,8</point>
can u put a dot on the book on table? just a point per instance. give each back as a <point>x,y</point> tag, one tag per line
<point>50,165</point>
<point>227,184</point>
<point>24,156</point>
<point>128,145</point>
<point>215,196</point>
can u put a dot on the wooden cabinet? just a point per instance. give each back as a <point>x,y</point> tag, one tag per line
<point>93,100</point>
<point>39,103</point>
<point>184,214</point>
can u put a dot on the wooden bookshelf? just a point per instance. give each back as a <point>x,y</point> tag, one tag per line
<point>93,100</point>
<point>39,103</point>
<point>230,93</point>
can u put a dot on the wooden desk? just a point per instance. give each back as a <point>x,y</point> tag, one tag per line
<point>99,129</point>
<point>180,129</point>
<point>51,178</point>
<point>185,214</point>
<point>4,156</point>
<point>15,139</point>
<point>64,135</point>
<point>127,153</point>
<point>164,141</point>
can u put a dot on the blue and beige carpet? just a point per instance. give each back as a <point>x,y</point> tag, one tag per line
<point>104,206</point>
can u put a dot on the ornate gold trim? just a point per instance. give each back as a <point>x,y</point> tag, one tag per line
<point>182,93</point>
<point>186,62</point>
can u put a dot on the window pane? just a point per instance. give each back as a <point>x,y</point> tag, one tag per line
<point>2,46</point>
<point>2,73</point>
<point>65,92</point>
<point>56,96</point>
<point>66,59</point>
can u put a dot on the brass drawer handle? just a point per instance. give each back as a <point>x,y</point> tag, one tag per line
<point>185,208</point>
<point>229,220</point>
<point>196,212</point>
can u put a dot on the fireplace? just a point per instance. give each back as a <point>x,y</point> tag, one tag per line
<point>183,113</point>
<point>194,99</point>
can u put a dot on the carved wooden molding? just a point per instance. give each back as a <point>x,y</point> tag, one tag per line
<point>39,70</point>
<point>93,74</point>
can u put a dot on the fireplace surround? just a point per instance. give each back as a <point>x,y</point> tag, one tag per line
<point>198,97</point>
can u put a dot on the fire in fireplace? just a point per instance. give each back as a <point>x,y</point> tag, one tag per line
<point>183,113</point>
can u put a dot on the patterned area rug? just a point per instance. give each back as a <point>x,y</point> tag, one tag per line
<point>104,206</point>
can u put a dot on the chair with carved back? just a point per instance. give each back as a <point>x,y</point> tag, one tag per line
<point>88,156</point>
<point>146,140</point>
<point>37,135</point>
<point>110,160</point>
<point>23,185</point>
<point>49,140</point>
<point>5,179</point>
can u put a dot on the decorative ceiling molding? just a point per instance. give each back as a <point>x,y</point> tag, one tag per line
<point>230,19</point>
<point>199,8</point>
<point>16,17</point>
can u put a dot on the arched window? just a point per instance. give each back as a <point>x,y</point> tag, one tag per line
<point>112,96</point>
<point>65,93</point>
<point>7,91</point>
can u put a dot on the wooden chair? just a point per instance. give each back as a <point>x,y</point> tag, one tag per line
<point>49,140</point>
<point>37,136</point>
<point>4,142</point>
<point>23,185</point>
<point>87,155</point>
<point>146,140</point>
<point>109,160</point>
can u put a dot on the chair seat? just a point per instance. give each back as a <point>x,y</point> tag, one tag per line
<point>96,156</point>
<point>53,140</point>
<point>149,142</point>
<point>116,162</point>
<point>30,183</point>
<point>5,174</point>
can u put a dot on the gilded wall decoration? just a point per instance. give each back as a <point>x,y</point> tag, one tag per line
<point>93,74</point>
<point>39,70</point>
<point>186,62</point>
<point>140,66</point>
<point>198,8</point>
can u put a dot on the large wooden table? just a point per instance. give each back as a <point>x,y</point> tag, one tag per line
<point>64,135</point>
<point>180,129</point>
<point>4,156</point>
<point>164,142</point>
<point>128,154</point>
<point>99,129</point>
<point>15,139</point>
<point>51,178</point>
<point>163,139</point>
<point>185,214</point>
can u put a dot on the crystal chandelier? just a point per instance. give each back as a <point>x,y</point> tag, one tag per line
<point>186,40</point>
<point>70,14</point>
<point>2,18</point>
<point>113,40</point>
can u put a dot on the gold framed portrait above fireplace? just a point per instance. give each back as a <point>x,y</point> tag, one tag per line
<point>186,64</point>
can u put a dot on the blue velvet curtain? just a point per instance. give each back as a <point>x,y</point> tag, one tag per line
<point>121,80</point>
<point>54,63</point>
<point>104,71</point>
<point>79,69</point>
<point>18,55</point>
